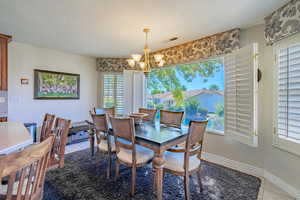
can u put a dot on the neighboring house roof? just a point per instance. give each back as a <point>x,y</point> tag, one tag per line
<point>187,94</point>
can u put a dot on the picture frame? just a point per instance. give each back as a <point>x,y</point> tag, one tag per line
<point>56,85</point>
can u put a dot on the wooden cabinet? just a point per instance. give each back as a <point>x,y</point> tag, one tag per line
<point>4,39</point>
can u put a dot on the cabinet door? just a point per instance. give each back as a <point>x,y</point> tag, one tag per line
<point>3,64</point>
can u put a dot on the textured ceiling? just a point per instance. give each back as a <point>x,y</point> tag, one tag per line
<point>113,28</point>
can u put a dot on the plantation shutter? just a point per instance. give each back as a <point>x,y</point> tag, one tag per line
<point>288,92</point>
<point>113,92</point>
<point>240,94</point>
<point>119,93</point>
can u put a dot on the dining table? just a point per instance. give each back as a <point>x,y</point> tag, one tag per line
<point>159,138</point>
<point>13,137</point>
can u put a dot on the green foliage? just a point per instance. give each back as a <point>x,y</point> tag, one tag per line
<point>192,107</point>
<point>214,87</point>
<point>159,106</point>
<point>156,91</point>
<point>57,79</point>
<point>220,109</point>
<point>166,79</point>
<point>109,102</point>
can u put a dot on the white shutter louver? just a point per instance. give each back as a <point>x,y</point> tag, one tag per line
<point>113,91</point>
<point>288,92</point>
<point>240,94</point>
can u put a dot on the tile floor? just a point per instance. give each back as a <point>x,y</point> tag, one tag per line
<point>268,190</point>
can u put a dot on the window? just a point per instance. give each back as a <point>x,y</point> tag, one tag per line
<point>287,76</point>
<point>197,89</point>
<point>113,91</point>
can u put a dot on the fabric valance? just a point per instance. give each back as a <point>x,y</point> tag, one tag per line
<point>283,22</point>
<point>203,48</point>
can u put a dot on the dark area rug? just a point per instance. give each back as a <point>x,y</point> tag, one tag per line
<point>84,177</point>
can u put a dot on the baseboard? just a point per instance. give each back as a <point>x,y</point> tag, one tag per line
<point>252,170</point>
<point>281,184</point>
<point>245,168</point>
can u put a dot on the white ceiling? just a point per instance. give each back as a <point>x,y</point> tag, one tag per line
<point>113,28</point>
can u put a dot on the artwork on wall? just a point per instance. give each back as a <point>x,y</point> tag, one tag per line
<point>56,85</point>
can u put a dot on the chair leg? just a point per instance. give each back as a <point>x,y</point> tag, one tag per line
<point>199,180</point>
<point>186,187</point>
<point>117,170</point>
<point>133,179</point>
<point>109,165</point>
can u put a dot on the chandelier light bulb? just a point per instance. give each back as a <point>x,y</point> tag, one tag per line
<point>142,65</point>
<point>136,57</point>
<point>158,57</point>
<point>161,63</point>
<point>131,62</point>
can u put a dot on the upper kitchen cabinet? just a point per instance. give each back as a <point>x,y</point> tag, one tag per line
<point>4,39</point>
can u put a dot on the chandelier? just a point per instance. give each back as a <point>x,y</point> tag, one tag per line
<point>136,60</point>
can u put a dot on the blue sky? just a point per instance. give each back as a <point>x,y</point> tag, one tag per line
<point>198,82</point>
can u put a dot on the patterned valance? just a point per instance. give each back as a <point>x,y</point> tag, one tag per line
<point>203,48</point>
<point>283,22</point>
<point>112,64</point>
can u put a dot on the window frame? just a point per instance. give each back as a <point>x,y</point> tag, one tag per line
<point>284,143</point>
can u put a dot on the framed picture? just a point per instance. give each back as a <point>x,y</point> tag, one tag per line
<point>56,85</point>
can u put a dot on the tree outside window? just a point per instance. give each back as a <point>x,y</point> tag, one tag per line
<point>197,89</point>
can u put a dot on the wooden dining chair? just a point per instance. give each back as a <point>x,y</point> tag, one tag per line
<point>187,161</point>
<point>105,142</point>
<point>151,113</point>
<point>128,152</point>
<point>46,126</point>
<point>171,118</point>
<point>24,172</point>
<point>61,130</point>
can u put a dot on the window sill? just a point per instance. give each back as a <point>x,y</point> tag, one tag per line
<point>287,144</point>
<point>215,132</point>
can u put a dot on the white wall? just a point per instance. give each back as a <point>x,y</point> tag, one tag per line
<point>23,59</point>
<point>282,164</point>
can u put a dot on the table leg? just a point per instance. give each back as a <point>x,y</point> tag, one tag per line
<point>158,163</point>
<point>92,142</point>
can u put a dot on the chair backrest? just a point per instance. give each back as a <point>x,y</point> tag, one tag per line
<point>124,132</point>
<point>61,130</point>
<point>100,122</point>
<point>109,111</point>
<point>151,113</point>
<point>26,171</point>
<point>194,141</point>
<point>171,118</point>
<point>47,126</point>
<point>100,127</point>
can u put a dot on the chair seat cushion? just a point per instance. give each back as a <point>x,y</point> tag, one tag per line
<point>143,155</point>
<point>175,162</point>
<point>103,146</point>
